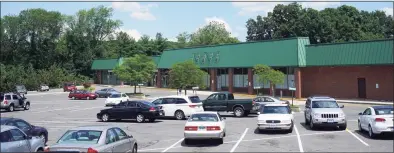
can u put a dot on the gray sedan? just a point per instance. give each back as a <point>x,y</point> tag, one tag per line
<point>106,92</point>
<point>95,139</point>
<point>13,139</point>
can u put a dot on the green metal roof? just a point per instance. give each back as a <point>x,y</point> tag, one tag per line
<point>105,64</point>
<point>375,52</point>
<point>283,52</point>
<point>156,59</point>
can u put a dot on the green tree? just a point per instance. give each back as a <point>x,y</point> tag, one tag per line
<point>214,33</point>
<point>136,69</point>
<point>262,72</point>
<point>275,77</point>
<point>186,74</point>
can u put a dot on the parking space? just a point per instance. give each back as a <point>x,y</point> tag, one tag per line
<point>57,113</point>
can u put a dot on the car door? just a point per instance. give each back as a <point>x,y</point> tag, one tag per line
<point>168,106</point>
<point>124,144</point>
<point>209,103</point>
<point>24,126</point>
<point>132,109</point>
<point>111,140</point>
<point>19,139</point>
<point>119,111</point>
<point>7,143</point>
<point>366,118</point>
<point>15,100</point>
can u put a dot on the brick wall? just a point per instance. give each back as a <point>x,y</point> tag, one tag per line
<point>341,82</point>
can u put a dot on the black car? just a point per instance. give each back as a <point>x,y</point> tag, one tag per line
<point>139,110</point>
<point>30,130</point>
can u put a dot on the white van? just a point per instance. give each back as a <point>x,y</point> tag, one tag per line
<point>179,107</point>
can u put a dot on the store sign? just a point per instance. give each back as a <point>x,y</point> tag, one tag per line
<point>206,57</point>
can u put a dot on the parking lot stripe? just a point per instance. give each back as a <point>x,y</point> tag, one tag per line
<point>87,108</point>
<point>299,139</point>
<point>173,145</point>
<point>67,108</point>
<point>239,141</point>
<point>356,137</point>
<point>152,149</point>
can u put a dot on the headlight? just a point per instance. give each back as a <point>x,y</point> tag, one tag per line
<point>316,115</point>
<point>261,121</point>
<point>341,115</point>
<point>286,121</point>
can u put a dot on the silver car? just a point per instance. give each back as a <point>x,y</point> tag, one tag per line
<point>91,139</point>
<point>106,92</point>
<point>10,101</point>
<point>264,100</point>
<point>15,140</point>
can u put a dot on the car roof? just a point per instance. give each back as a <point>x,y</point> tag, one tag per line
<point>321,98</point>
<point>94,127</point>
<point>179,96</point>
<point>7,127</point>
<point>382,107</point>
<point>275,105</point>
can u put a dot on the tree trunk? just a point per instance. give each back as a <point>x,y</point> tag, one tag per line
<point>135,88</point>
<point>185,91</point>
<point>262,92</point>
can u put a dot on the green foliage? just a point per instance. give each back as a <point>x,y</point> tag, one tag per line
<point>275,77</point>
<point>186,74</point>
<point>262,72</point>
<point>136,69</point>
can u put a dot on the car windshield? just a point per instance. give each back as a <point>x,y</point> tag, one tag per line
<point>324,104</point>
<point>115,96</point>
<point>384,111</point>
<point>275,110</point>
<point>195,99</point>
<point>204,118</point>
<point>80,137</point>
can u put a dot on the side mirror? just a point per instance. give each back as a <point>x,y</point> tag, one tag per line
<point>342,106</point>
<point>258,113</point>
<point>360,113</point>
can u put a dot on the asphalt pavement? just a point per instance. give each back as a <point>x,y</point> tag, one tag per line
<point>54,111</point>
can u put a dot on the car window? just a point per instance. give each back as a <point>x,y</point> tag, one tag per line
<point>384,111</point>
<point>5,136</point>
<point>22,125</point>
<point>168,101</point>
<point>181,101</point>
<point>115,96</point>
<point>230,97</point>
<point>14,97</point>
<point>121,134</point>
<point>111,136</point>
<point>221,97</point>
<point>267,99</point>
<point>195,99</point>
<point>7,97</point>
<point>131,104</point>
<point>275,110</point>
<point>17,135</point>
<point>124,95</point>
<point>80,137</point>
<point>324,104</point>
<point>367,111</point>
<point>122,104</point>
<point>157,101</point>
<point>204,118</point>
<point>103,90</point>
<point>212,97</point>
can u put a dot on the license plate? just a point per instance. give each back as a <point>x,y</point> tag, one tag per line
<point>201,127</point>
<point>330,120</point>
<point>272,125</point>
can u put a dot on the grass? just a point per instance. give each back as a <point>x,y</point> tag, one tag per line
<point>135,94</point>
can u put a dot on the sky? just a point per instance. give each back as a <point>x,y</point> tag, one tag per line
<point>172,18</point>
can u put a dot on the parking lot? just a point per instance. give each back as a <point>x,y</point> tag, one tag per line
<point>54,111</point>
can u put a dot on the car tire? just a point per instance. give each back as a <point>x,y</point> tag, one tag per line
<point>359,126</point>
<point>187,141</point>
<point>291,128</point>
<point>220,141</point>
<point>105,117</point>
<point>311,125</point>
<point>238,112</point>
<point>179,115</point>
<point>73,98</point>
<point>140,118</point>
<point>87,98</point>
<point>135,149</point>
<point>370,132</point>
<point>27,106</point>
<point>11,108</point>
<point>343,127</point>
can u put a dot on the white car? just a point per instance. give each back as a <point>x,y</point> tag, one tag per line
<point>275,117</point>
<point>43,87</point>
<point>116,98</point>
<point>376,120</point>
<point>179,107</point>
<point>205,125</point>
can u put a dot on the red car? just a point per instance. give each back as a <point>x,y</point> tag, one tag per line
<point>82,94</point>
<point>69,87</point>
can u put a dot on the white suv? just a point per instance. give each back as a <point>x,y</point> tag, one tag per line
<point>324,111</point>
<point>179,107</point>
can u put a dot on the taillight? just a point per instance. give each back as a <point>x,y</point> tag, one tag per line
<point>190,128</point>
<point>152,109</point>
<point>380,120</point>
<point>213,128</point>
<point>192,106</point>
<point>46,149</point>
<point>91,150</point>
<point>5,102</point>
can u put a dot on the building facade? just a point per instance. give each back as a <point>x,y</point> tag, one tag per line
<point>360,70</point>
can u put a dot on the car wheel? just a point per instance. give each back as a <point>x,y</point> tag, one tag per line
<point>140,118</point>
<point>73,98</point>
<point>359,127</point>
<point>135,149</point>
<point>87,98</point>
<point>105,118</point>
<point>311,125</point>
<point>220,141</point>
<point>179,115</point>
<point>27,106</point>
<point>238,112</point>
<point>11,108</point>
<point>370,132</point>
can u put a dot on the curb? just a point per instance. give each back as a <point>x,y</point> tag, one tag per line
<point>365,102</point>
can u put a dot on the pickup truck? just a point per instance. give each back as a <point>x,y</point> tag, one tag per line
<point>224,101</point>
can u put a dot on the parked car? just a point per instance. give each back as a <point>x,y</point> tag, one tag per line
<point>376,120</point>
<point>94,139</point>
<point>30,130</point>
<point>275,117</point>
<point>21,89</point>
<point>67,87</point>
<point>116,98</point>
<point>263,100</point>
<point>43,87</point>
<point>82,94</point>
<point>324,112</point>
<point>224,101</point>
<point>13,139</point>
<point>179,107</point>
<point>10,101</point>
<point>205,125</point>
<point>106,92</point>
<point>139,110</point>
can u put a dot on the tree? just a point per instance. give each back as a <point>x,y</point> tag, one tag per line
<point>214,33</point>
<point>186,74</point>
<point>262,72</point>
<point>275,77</point>
<point>136,69</point>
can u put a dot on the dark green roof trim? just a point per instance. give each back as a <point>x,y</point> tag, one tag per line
<point>105,64</point>
<point>350,42</point>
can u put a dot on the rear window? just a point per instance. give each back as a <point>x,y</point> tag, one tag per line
<point>195,99</point>
<point>275,110</point>
<point>115,96</point>
<point>148,104</point>
<point>80,137</point>
<point>384,111</point>
<point>204,118</point>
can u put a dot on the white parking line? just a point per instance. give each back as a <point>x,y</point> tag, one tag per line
<point>173,145</point>
<point>239,141</point>
<point>299,139</point>
<point>87,108</point>
<point>357,137</point>
<point>67,108</point>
